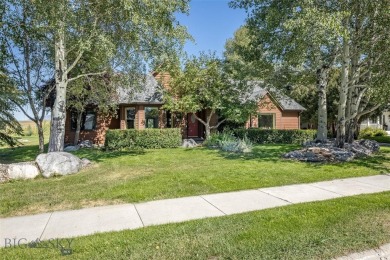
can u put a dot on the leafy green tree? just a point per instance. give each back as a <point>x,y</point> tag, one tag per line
<point>91,92</point>
<point>126,33</point>
<point>297,37</point>
<point>203,84</point>
<point>26,60</point>
<point>239,57</point>
<point>318,36</point>
<point>9,126</point>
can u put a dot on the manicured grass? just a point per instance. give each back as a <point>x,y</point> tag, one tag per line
<point>320,230</point>
<point>134,176</point>
<point>27,151</point>
<point>381,139</point>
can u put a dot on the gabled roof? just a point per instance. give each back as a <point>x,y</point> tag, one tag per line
<point>150,92</point>
<point>285,103</point>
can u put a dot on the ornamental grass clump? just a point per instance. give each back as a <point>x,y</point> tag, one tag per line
<point>227,142</point>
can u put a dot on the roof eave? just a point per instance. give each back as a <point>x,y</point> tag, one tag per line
<point>141,103</point>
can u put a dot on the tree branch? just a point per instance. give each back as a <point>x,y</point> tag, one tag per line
<point>199,119</point>
<point>368,111</point>
<point>219,123</point>
<point>87,75</point>
<point>74,62</point>
<point>24,111</point>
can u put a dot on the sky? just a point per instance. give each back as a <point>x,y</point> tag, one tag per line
<point>210,23</point>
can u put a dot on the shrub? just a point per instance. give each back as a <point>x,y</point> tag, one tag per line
<point>371,132</point>
<point>28,131</point>
<point>148,138</point>
<point>236,145</point>
<point>269,136</point>
<point>226,141</point>
<point>215,139</point>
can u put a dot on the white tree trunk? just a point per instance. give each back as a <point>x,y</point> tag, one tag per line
<point>322,81</point>
<point>343,94</point>
<point>58,117</point>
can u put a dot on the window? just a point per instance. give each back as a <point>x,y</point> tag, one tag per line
<point>88,120</point>
<point>151,117</point>
<point>130,117</point>
<point>267,121</point>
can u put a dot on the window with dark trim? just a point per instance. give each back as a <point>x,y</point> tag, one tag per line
<point>151,117</point>
<point>266,121</point>
<point>130,117</point>
<point>88,120</point>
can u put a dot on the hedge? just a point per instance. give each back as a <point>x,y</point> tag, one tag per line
<point>269,136</point>
<point>371,132</point>
<point>148,138</point>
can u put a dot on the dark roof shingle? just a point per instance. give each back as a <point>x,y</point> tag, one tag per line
<point>150,92</point>
<point>285,102</point>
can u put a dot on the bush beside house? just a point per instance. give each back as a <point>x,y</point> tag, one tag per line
<point>148,138</point>
<point>267,136</point>
<point>371,132</point>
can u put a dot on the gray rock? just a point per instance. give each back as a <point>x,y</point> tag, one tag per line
<point>60,163</point>
<point>25,170</point>
<point>189,143</point>
<point>3,172</point>
<point>14,171</point>
<point>71,148</point>
<point>86,144</point>
<point>85,162</point>
<point>327,152</point>
<point>371,145</point>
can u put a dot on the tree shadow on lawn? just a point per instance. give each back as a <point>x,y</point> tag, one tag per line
<point>18,154</point>
<point>99,155</point>
<point>30,152</point>
<point>379,162</point>
<point>265,152</point>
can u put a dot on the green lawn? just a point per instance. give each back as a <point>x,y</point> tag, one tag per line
<point>27,151</point>
<point>320,230</point>
<point>381,139</point>
<point>121,177</point>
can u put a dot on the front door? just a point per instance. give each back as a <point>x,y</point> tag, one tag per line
<point>193,126</point>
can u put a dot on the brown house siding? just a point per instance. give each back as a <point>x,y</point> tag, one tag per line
<point>163,78</point>
<point>290,120</point>
<point>139,121</point>
<point>97,136</point>
<point>283,119</point>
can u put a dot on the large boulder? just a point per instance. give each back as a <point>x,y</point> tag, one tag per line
<point>25,170</point>
<point>3,172</point>
<point>58,163</point>
<point>14,171</point>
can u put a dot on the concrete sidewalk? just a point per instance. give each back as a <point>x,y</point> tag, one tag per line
<point>72,223</point>
<point>381,253</point>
